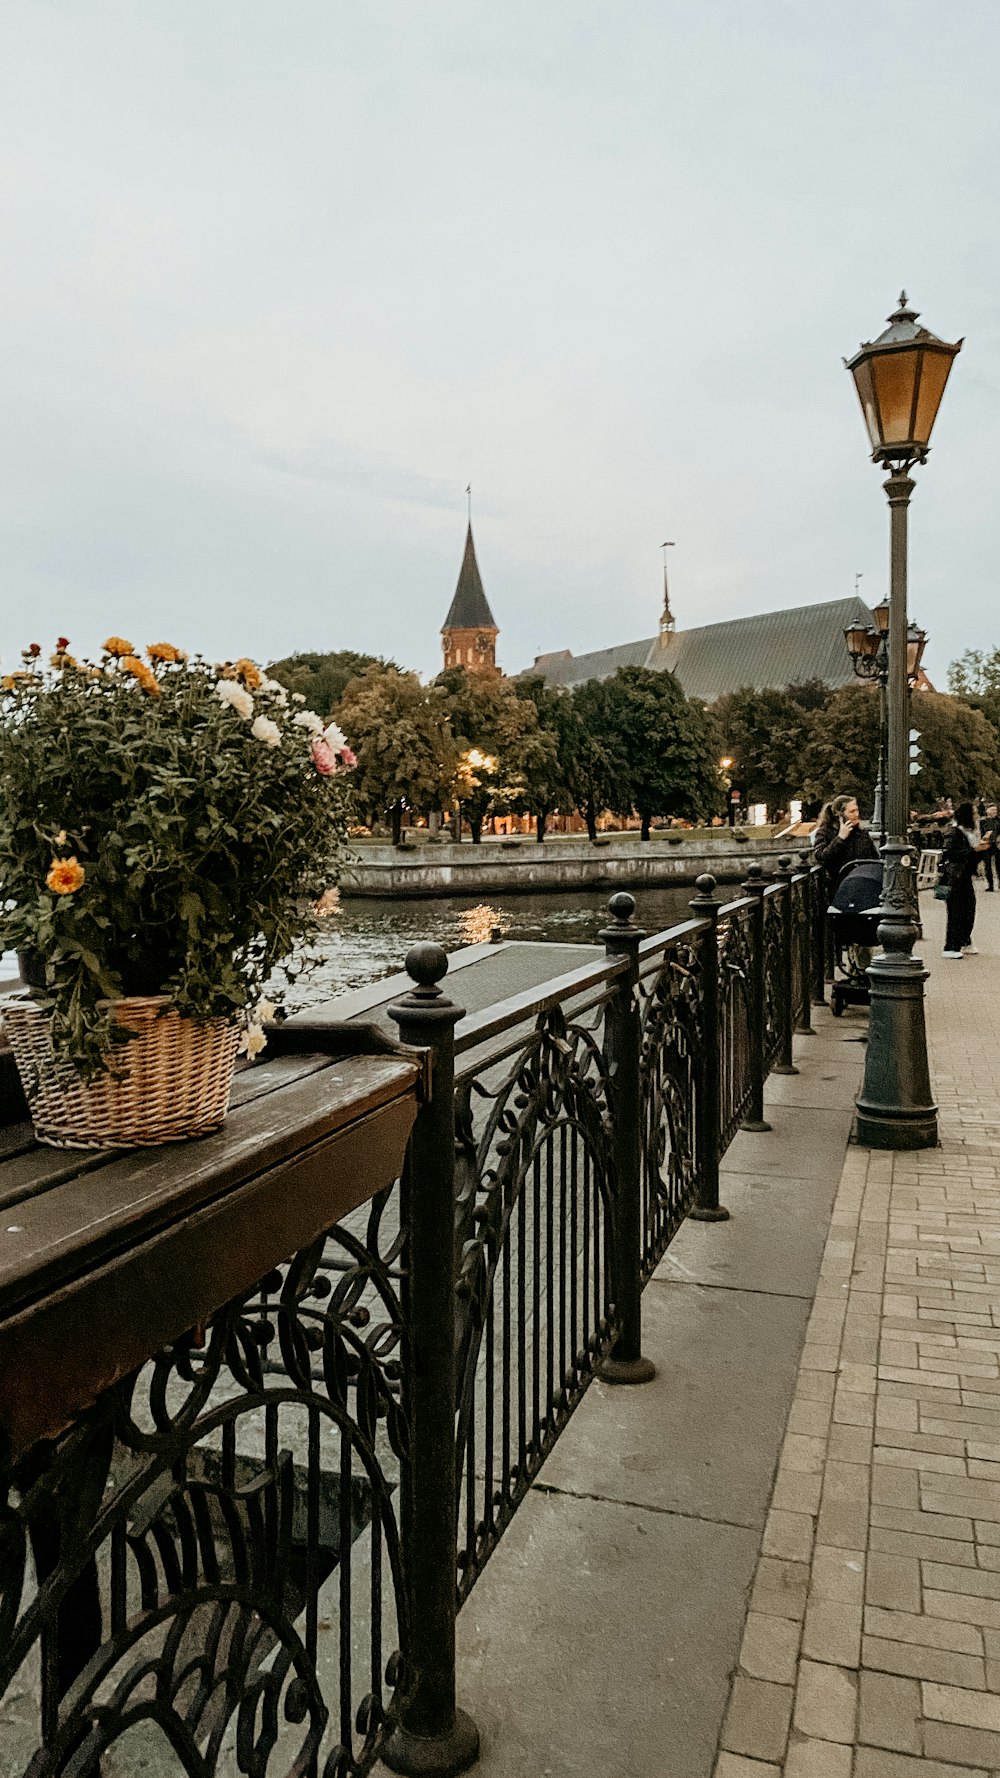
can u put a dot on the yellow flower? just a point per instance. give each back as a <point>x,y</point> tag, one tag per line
<point>249,673</point>
<point>11,681</point>
<point>147,678</point>
<point>61,659</point>
<point>118,645</point>
<point>65,876</point>
<point>165,651</point>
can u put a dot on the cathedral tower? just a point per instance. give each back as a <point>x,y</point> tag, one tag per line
<point>469,634</point>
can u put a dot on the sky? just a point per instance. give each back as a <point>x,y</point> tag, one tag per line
<point>280,277</point>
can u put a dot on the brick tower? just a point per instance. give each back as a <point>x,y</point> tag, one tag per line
<point>469,634</point>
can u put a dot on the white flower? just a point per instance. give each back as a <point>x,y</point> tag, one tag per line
<point>263,729</point>
<point>266,1010</point>
<point>298,697</point>
<point>277,691</point>
<point>231,692</point>
<point>308,719</point>
<point>252,1042</point>
<point>334,737</point>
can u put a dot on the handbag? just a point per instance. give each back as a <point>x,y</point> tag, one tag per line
<point>942,891</point>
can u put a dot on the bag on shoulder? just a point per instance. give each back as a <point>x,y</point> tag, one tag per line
<point>942,891</point>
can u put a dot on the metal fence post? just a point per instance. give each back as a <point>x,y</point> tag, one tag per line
<point>817,932</point>
<point>621,1050</point>
<point>755,885</point>
<point>434,1738</point>
<point>803,938</point>
<point>785,1064</point>
<point>705,905</point>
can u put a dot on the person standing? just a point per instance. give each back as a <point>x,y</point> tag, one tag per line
<point>989,827</point>
<point>960,857</point>
<point>840,839</point>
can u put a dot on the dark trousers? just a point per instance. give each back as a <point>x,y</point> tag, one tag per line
<point>988,861</point>
<point>961,915</point>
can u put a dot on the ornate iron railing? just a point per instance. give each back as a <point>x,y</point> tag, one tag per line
<point>252,1549</point>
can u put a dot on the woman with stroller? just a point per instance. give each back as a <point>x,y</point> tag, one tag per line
<point>840,839</point>
<point>960,856</point>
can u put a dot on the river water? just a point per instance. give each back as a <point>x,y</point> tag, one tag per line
<point>365,940</point>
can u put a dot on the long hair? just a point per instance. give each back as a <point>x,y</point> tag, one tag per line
<point>965,816</point>
<point>830,813</point>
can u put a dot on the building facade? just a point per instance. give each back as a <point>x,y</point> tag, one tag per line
<point>469,633</point>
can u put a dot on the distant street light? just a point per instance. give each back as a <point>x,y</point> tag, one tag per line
<point>867,645</point>
<point>900,379</point>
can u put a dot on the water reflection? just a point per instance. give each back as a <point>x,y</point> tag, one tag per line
<point>364,940</point>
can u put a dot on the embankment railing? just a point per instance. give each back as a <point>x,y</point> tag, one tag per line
<point>307,1486</point>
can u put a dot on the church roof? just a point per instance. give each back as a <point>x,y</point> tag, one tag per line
<point>776,648</point>
<point>469,609</point>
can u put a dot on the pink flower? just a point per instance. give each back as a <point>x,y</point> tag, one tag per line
<point>347,758</point>
<point>323,756</point>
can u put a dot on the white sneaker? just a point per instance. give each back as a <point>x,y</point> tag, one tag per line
<point>957,955</point>
<point>970,950</point>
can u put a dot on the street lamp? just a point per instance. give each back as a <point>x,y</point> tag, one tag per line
<point>867,645</point>
<point>900,379</point>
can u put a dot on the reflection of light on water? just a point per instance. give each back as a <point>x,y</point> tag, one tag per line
<point>476,926</point>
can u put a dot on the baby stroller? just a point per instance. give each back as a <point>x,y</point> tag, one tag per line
<point>853,914</point>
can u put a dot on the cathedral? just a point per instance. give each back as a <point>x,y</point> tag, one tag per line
<point>469,634</point>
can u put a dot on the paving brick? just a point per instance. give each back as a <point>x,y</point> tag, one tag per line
<point>757,1719</point>
<point>770,1647</point>
<point>972,1709</point>
<point>893,1581</point>
<point>934,1549</point>
<point>889,1712</point>
<point>972,1747</point>
<point>928,1632</point>
<point>809,1758</point>
<point>780,1588</point>
<point>949,1578</point>
<point>826,1702</point>
<point>872,1762</point>
<point>733,1765</point>
<point>837,1574</point>
<point>919,1662</point>
<point>790,1535</point>
<point>832,1632</point>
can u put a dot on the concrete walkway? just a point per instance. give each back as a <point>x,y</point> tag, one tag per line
<point>602,1636</point>
<point>872,1647</point>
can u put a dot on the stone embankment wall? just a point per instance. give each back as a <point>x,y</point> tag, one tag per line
<point>522,867</point>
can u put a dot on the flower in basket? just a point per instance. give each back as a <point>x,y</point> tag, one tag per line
<point>164,830</point>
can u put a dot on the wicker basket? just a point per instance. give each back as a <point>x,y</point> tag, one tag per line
<point>177,1076</point>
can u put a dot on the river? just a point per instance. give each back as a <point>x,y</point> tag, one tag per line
<point>366,939</point>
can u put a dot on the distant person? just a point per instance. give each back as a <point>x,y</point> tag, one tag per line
<point>989,828</point>
<point>960,855</point>
<point>840,839</point>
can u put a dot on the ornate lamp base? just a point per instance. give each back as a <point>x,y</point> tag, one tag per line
<point>895,1108</point>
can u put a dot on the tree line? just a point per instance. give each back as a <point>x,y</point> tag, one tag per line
<point>631,745</point>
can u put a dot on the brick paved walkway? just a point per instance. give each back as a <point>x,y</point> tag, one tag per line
<point>872,1643</point>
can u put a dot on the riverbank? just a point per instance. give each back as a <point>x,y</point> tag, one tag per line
<point>519,867</point>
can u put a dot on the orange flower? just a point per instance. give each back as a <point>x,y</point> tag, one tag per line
<point>131,663</point>
<point>61,659</point>
<point>249,673</point>
<point>11,681</point>
<point>165,651</point>
<point>118,645</point>
<point>65,876</point>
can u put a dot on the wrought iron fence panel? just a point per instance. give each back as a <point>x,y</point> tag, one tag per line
<point>204,1573</point>
<point>735,988</point>
<point>800,951</point>
<point>535,1185</point>
<point>670,1064</point>
<point>774,974</point>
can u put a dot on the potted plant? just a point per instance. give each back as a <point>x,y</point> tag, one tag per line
<point>162,822</point>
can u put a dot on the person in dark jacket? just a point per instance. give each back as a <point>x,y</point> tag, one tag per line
<point>840,839</point>
<point>960,856</point>
<point>989,827</point>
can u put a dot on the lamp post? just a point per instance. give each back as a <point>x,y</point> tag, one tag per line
<point>867,645</point>
<point>900,379</point>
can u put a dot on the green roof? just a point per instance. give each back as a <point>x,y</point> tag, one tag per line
<point>776,648</point>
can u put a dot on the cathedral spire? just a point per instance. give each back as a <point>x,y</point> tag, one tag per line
<point>469,631</point>
<point>667,616</point>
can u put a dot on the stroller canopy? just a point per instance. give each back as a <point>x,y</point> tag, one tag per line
<point>859,890</point>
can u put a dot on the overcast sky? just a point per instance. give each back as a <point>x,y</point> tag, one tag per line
<point>281,276</point>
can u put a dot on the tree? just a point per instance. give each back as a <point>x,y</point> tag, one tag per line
<point>975,678</point>
<point>665,746</point>
<point>322,678</point>
<point>401,733</point>
<point>766,732</point>
<point>548,767</point>
<point>960,752</point>
<point>490,721</point>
